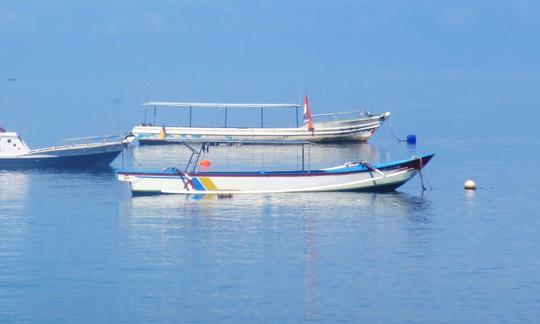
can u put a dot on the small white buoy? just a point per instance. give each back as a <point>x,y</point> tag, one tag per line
<point>470,185</point>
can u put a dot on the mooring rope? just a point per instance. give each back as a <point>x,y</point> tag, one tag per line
<point>422,177</point>
<point>392,132</point>
<point>425,178</point>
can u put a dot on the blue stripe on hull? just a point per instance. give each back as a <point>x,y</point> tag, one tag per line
<point>98,160</point>
<point>197,184</point>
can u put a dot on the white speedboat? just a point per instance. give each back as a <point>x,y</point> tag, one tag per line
<point>359,126</point>
<point>88,152</point>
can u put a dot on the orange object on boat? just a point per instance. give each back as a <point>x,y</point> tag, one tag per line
<point>204,163</point>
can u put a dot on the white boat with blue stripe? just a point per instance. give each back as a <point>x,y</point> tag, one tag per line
<point>358,176</point>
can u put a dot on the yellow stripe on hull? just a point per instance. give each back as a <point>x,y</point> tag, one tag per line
<point>208,184</point>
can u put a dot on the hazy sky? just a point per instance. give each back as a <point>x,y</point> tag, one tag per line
<point>75,60</point>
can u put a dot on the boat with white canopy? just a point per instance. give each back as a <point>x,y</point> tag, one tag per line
<point>352,176</point>
<point>342,127</point>
<point>83,152</point>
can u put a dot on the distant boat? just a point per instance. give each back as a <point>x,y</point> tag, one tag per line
<point>87,152</point>
<point>359,176</point>
<point>358,128</point>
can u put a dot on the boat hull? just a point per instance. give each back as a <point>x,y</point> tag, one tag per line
<point>384,177</point>
<point>354,130</point>
<point>88,157</point>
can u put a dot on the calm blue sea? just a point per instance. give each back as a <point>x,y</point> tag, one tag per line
<point>463,76</point>
<point>76,247</point>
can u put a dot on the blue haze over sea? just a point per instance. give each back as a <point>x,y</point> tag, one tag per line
<point>464,77</point>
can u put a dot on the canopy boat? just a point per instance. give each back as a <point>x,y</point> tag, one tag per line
<point>358,176</point>
<point>85,152</point>
<point>359,128</point>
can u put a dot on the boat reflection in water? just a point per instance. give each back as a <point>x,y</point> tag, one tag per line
<point>265,245</point>
<point>13,190</point>
<point>394,204</point>
<point>13,231</point>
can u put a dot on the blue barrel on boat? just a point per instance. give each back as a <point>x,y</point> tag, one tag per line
<point>411,139</point>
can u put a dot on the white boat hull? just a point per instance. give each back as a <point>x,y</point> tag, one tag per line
<point>359,130</point>
<point>345,178</point>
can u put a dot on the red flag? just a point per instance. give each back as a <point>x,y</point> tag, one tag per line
<point>307,114</point>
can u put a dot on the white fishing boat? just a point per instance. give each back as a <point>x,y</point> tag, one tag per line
<point>358,176</point>
<point>343,126</point>
<point>84,152</point>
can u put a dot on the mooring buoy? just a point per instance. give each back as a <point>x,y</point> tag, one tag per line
<point>470,185</point>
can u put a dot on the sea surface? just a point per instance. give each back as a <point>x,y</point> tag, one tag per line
<point>77,247</point>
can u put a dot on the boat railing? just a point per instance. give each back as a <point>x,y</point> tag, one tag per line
<point>82,141</point>
<point>101,139</point>
<point>343,115</point>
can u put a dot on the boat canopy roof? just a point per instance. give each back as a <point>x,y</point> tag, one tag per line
<point>218,105</point>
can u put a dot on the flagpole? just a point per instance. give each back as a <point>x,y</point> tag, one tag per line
<point>307,111</point>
